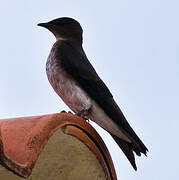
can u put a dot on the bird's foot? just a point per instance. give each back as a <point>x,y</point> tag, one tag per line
<point>82,114</point>
<point>66,112</point>
<point>63,111</point>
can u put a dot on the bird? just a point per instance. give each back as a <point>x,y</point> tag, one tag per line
<point>75,80</point>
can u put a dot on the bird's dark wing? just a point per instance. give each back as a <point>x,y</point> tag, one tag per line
<point>77,64</point>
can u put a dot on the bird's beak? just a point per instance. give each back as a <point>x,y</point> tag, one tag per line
<point>46,25</point>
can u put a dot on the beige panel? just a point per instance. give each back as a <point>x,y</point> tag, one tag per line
<point>63,158</point>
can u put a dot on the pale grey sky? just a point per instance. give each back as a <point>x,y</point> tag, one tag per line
<point>133,45</point>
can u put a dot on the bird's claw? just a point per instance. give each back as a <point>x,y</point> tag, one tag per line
<point>81,114</point>
<point>63,111</point>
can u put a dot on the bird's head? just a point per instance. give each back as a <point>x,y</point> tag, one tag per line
<point>64,28</point>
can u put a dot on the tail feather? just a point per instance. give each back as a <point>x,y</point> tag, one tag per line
<point>128,149</point>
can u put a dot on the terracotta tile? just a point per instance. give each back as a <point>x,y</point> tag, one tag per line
<point>23,139</point>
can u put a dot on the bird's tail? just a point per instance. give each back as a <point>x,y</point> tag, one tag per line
<point>128,149</point>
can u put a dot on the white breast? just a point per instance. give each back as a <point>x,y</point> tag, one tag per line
<point>66,87</point>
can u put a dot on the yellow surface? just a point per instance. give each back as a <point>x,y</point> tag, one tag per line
<point>63,158</point>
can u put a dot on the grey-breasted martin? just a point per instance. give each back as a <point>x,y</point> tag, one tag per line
<point>75,80</point>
